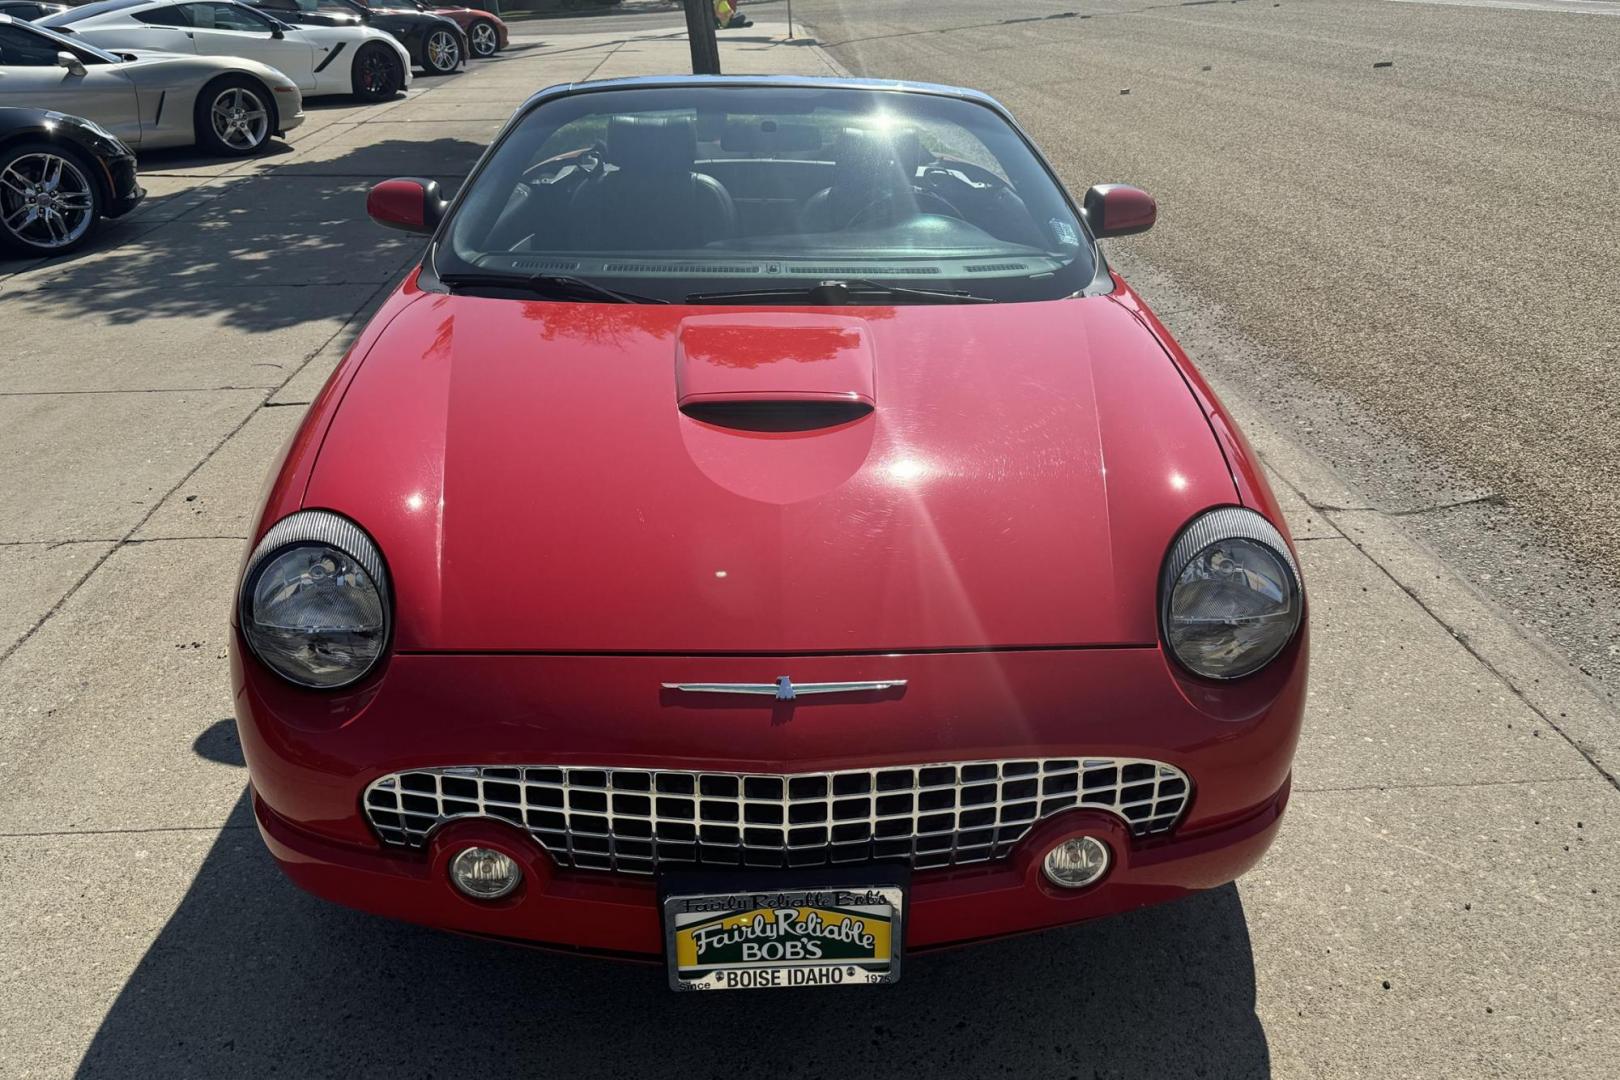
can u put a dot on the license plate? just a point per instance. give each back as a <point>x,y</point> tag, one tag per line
<point>834,936</point>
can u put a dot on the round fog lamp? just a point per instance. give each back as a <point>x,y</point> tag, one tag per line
<point>483,873</point>
<point>1077,862</point>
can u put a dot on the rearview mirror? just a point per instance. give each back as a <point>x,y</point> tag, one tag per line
<point>1118,210</point>
<point>406,203</point>
<point>66,59</point>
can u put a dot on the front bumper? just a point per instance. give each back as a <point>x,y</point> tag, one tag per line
<point>619,916</point>
<point>311,756</point>
<point>124,183</point>
<point>288,118</point>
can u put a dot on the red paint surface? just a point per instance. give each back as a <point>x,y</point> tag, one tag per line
<point>1120,210</point>
<point>761,358</point>
<point>562,539</point>
<point>525,470</point>
<point>399,204</point>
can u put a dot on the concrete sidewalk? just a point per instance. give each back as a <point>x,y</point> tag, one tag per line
<point>1442,901</point>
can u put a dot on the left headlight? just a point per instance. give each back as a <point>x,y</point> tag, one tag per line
<point>1231,597</point>
<point>314,600</point>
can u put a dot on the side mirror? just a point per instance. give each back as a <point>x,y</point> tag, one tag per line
<point>74,65</point>
<point>1118,210</point>
<point>407,204</point>
<point>277,34</point>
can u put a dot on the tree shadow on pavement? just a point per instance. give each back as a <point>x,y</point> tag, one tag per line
<point>258,252</point>
<point>251,976</point>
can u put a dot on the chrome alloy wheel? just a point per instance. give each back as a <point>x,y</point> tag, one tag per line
<point>239,118</point>
<point>485,41</point>
<point>46,201</point>
<point>443,51</point>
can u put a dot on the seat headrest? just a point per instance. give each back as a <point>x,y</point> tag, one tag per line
<point>652,143</point>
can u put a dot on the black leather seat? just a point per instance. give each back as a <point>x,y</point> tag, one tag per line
<point>652,199</point>
<point>873,182</point>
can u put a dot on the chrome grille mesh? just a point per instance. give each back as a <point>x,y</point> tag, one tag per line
<point>635,820</point>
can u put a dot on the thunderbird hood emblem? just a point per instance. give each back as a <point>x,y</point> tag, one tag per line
<point>783,689</point>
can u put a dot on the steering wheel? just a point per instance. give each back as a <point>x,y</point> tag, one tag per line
<point>928,202</point>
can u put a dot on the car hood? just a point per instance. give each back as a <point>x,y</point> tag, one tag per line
<point>534,484</point>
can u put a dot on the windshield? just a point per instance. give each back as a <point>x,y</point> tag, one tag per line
<point>88,53</point>
<point>676,191</point>
<point>79,14</point>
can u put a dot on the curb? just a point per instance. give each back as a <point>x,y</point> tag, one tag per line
<point>1546,682</point>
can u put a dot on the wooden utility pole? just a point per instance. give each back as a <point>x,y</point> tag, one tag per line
<point>700,33</point>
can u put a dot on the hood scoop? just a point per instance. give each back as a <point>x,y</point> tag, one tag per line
<point>774,370</point>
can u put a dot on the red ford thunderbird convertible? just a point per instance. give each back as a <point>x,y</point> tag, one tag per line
<point>764,537</point>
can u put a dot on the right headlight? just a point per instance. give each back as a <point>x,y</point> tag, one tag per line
<point>1230,593</point>
<point>314,600</point>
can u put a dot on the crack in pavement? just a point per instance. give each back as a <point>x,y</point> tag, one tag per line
<point>128,537</point>
<point>363,309</point>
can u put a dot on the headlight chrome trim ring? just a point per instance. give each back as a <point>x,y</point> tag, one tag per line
<point>1210,528</point>
<point>332,530</point>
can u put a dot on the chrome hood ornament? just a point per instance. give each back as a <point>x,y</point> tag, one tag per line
<point>783,689</point>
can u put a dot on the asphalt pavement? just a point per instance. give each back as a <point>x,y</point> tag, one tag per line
<point>1441,901</point>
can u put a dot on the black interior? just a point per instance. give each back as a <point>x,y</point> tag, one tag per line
<point>644,188</point>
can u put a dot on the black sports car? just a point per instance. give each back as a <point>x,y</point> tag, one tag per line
<point>59,175</point>
<point>436,44</point>
<point>29,10</point>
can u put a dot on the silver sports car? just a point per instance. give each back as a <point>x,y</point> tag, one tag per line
<point>223,104</point>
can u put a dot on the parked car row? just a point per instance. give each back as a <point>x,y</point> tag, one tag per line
<point>81,86</point>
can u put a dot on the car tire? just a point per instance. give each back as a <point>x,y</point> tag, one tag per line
<point>376,72</point>
<point>50,203</point>
<point>441,52</point>
<point>235,116</point>
<point>483,39</point>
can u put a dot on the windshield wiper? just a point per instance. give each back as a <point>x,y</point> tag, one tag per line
<point>843,291</point>
<point>549,286</point>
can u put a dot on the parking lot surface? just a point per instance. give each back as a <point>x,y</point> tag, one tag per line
<point>1441,903</point>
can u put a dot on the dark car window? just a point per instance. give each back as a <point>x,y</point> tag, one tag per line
<point>164,16</point>
<point>675,190</point>
<point>228,17</point>
<point>39,37</point>
<point>20,48</point>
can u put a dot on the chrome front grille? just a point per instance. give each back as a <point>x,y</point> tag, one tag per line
<point>635,820</point>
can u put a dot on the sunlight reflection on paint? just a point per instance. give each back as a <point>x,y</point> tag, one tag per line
<point>414,501</point>
<point>1178,481</point>
<point>907,470</point>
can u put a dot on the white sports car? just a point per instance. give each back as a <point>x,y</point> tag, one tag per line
<point>358,60</point>
<point>222,104</point>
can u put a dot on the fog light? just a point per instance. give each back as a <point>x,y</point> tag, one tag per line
<point>483,873</point>
<point>1077,862</point>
